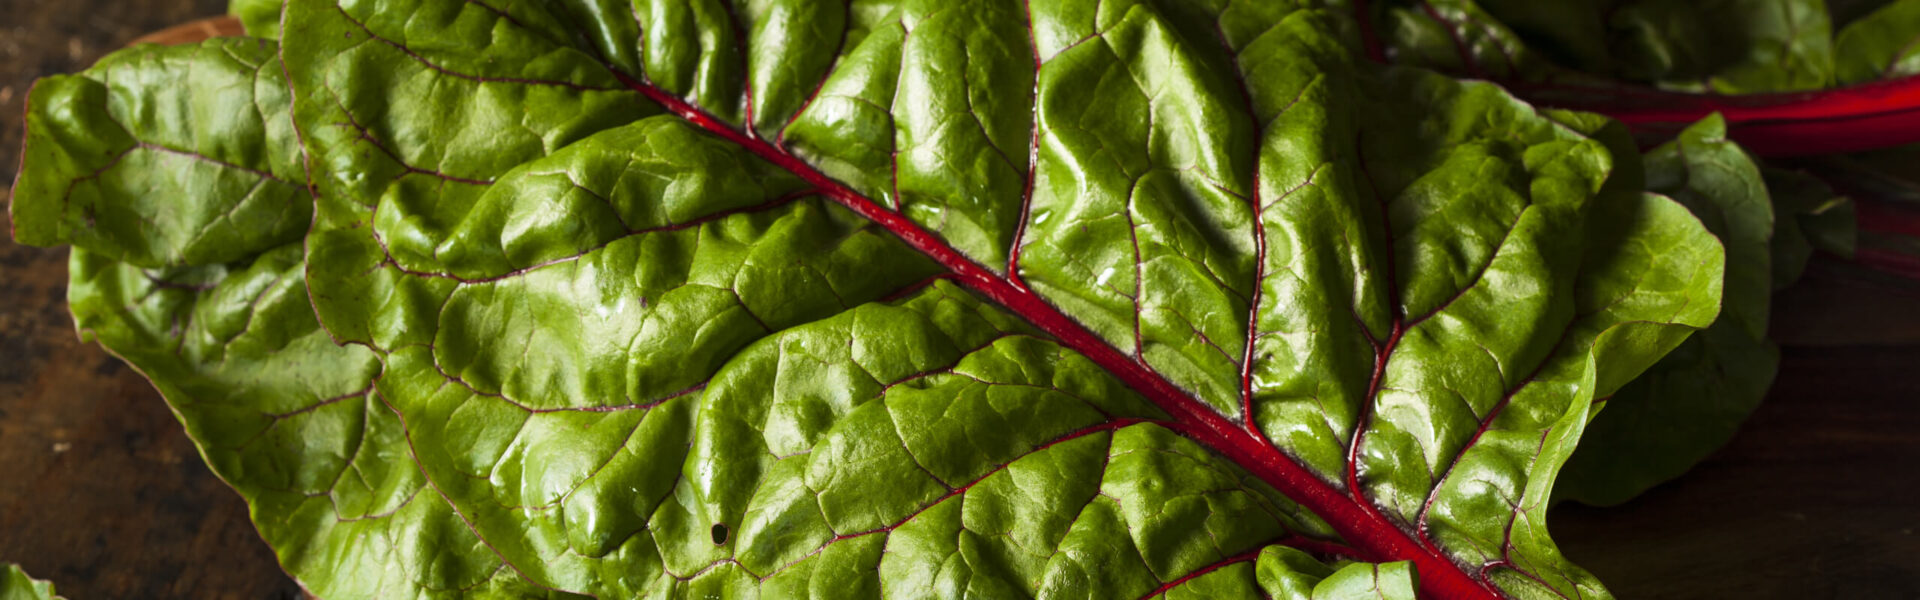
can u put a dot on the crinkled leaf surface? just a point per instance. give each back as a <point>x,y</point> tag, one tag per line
<point>1880,45</point>
<point>1719,183</point>
<point>1564,52</point>
<point>218,147</point>
<point>1463,37</point>
<point>15,584</point>
<point>1693,401</point>
<point>789,298</point>
<point>1716,46</point>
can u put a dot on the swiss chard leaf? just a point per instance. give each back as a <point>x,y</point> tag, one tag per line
<point>1716,46</point>
<point>1077,299</point>
<point>218,148</point>
<point>1719,46</point>
<point>1691,405</point>
<point>15,584</point>
<point>1879,45</point>
<point>1692,402</point>
<point>1809,215</point>
<point>1725,46</point>
<point>260,18</point>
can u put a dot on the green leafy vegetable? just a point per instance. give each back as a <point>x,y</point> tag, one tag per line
<point>1694,400</point>
<point>1662,424</point>
<point>1809,215</point>
<point>261,18</point>
<point>16,585</point>
<point>1881,45</point>
<point>1717,46</point>
<point>1069,299</point>
<point>215,155</point>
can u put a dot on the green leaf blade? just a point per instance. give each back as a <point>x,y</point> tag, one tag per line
<point>15,584</point>
<point>164,156</point>
<point>1090,299</point>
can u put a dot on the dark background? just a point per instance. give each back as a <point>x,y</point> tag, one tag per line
<point>100,490</point>
<point>102,493</point>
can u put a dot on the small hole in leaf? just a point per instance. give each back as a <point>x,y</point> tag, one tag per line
<point>719,533</point>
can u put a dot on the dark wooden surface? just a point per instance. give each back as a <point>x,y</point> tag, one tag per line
<point>101,492</point>
<point>1819,494</point>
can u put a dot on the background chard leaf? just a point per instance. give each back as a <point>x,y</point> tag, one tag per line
<point>1078,299</point>
<point>1880,45</point>
<point>15,584</point>
<point>1809,215</point>
<point>1694,400</point>
<point>1714,46</point>
<point>1607,56</point>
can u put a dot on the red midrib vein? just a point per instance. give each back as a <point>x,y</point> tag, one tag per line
<point>1850,119</point>
<point>1364,528</point>
<point>1866,116</point>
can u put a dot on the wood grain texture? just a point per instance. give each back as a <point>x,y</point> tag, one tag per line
<point>1818,497</point>
<point>100,490</point>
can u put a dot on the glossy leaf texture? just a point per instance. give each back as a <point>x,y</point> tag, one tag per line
<point>1715,46</point>
<point>219,149</point>
<point>1787,83</point>
<point>1595,56</point>
<point>1694,400</point>
<point>259,18</point>
<point>15,584</point>
<point>1068,299</point>
<point>1881,45</point>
